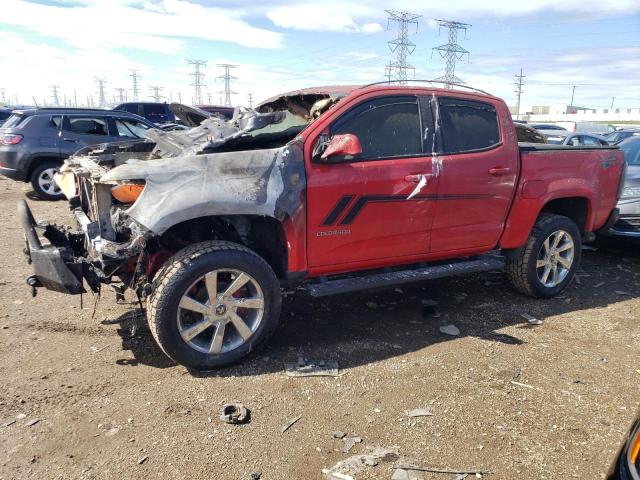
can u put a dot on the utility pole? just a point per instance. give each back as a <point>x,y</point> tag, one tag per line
<point>519,84</point>
<point>102,101</point>
<point>197,80</point>
<point>122,94</point>
<point>209,97</point>
<point>156,93</point>
<point>75,98</point>
<point>227,77</point>
<point>250,100</point>
<point>612,100</point>
<point>3,99</point>
<point>135,76</point>
<point>401,46</point>
<point>179,97</point>
<point>54,94</point>
<point>451,51</point>
<point>573,92</point>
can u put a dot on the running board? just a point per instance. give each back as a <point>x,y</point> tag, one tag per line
<point>381,280</point>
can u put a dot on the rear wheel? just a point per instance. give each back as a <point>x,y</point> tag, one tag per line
<point>42,181</point>
<point>549,260</point>
<point>213,304</point>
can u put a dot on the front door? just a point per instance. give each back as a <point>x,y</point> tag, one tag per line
<point>376,208</point>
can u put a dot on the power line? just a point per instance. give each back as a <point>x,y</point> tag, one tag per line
<point>519,84</point>
<point>451,51</point>
<point>102,101</point>
<point>401,46</point>
<point>54,94</point>
<point>227,77</point>
<point>197,80</point>
<point>122,94</point>
<point>156,93</point>
<point>135,77</point>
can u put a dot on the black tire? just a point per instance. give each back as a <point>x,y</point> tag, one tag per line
<point>521,264</point>
<point>40,192</point>
<point>185,268</point>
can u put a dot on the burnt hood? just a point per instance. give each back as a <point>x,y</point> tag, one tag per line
<point>190,116</point>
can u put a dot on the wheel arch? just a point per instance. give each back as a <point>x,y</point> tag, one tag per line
<point>37,160</point>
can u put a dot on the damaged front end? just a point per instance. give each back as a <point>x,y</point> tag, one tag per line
<point>126,197</point>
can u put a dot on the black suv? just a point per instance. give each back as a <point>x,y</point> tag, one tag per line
<point>34,143</point>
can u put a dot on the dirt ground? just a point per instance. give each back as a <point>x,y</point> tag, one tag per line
<point>109,405</point>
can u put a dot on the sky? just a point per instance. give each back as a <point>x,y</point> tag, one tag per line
<point>280,46</point>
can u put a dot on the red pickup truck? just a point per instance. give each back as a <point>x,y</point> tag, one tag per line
<point>339,188</point>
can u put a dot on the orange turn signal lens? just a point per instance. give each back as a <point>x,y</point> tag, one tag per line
<point>634,450</point>
<point>127,193</point>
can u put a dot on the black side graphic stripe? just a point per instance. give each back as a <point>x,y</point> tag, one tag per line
<point>364,200</point>
<point>337,210</point>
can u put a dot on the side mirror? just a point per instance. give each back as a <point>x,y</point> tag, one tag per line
<point>346,147</point>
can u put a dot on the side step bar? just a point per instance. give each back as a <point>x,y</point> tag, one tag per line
<point>381,280</point>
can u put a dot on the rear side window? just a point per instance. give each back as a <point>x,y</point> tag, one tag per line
<point>55,121</point>
<point>386,127</point>
<point>14,120</point>
<point>130,128</point>
<point>467,125</point>
<point>86,125</point>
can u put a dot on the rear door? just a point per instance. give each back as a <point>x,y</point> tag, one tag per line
<point>478,175</point>
<point>362,210</point>
<point>79,131</point>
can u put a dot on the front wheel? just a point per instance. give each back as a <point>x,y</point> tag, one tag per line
<point>213,304</point>
<point>549,260</point>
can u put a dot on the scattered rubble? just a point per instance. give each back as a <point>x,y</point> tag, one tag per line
<point>472,471</point>
<point>338,435</point>
<point>308,368</point>
<point>290,423</point>
<point>234,413</point>
<point>419,412</point>
<point>532,320</point>
<point>349,442</point>
<point>349,467</point>
<point>450,330</point>
<point>31,423</point>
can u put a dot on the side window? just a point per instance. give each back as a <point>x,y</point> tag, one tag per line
<point>467,125</point>
<point>130,107</point>
<point>156,113</point>
<point>386,127</point>
<point>130,128</point>
<point>86,125</point>
<point>590,141</point>
<point>55,122</point>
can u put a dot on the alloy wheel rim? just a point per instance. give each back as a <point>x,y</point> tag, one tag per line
<point>46,183</point>
<point>555,258</point>
<point>220,311</point>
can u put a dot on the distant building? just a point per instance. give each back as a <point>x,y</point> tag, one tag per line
<point>563,112</point>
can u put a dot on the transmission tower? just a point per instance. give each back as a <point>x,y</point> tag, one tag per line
<point>197,80</point>
<point>451,51</point>
<point>250,95</point>
<point>135,76</point>
<point>227,77</point>
<point>3,98</point>
<point>519,84</point>
<point>401,46</point>
<point>156,93</point>
<point>102,101</point>
<point>122,94</point>
<point>54,94</point>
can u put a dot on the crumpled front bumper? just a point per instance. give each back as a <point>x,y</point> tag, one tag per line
<point>53,267</point>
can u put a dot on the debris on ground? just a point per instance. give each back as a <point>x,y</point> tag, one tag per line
<point>142,459</point>
<point>371,304</point>
<point>256,476</point>
<point>308,368</point>
<point>450,330</point>
<point>349,442</point>
<point>599,284</point>
<point>522,385</point>
<point>10,422</point>
<point>622,292</point>
<point>31,423</point>
<point>419,412</point>
<point>463,471</point>
<point>290,423</point>
<point>338,435</point>
<point>234,413</point>
<point>349,467</point>
<point>532,320</point>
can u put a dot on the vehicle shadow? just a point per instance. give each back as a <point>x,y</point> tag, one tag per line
<point>363,328</point>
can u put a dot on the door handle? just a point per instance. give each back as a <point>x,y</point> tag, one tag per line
<point>499,170</point>
<point>417,177</point>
